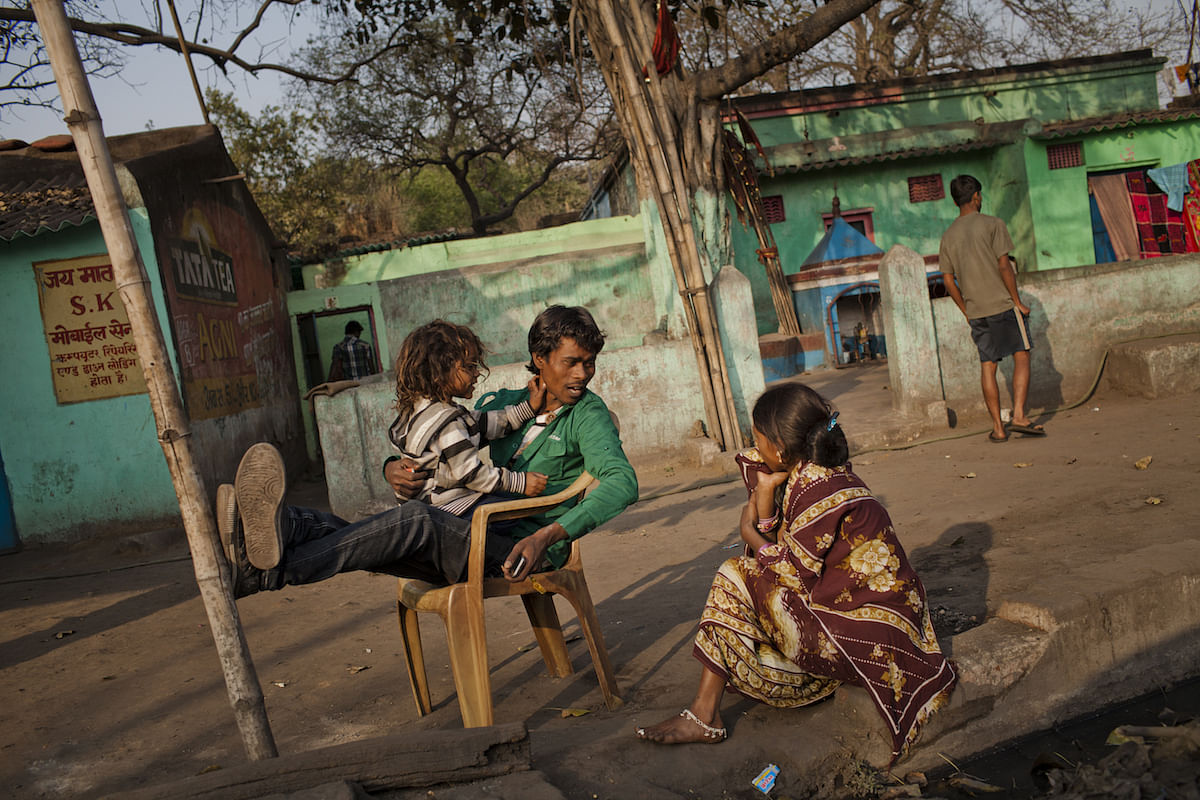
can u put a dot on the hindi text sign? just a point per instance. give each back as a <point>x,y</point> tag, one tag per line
<point>92,351</point>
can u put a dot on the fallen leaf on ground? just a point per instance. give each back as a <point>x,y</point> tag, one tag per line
<point>1118,737</point>
<point>1143,463</point>
<point>63,634</point>
<point>969,475</point>
<point>1072,460</point>
<point>1023,464</point>
<point>1153,501</point>
<point>354,669</point>
<point>280,684</point>
<point>575,712</point>
<point>970,784</point>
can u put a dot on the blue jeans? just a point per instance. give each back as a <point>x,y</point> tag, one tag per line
<point>412,540</point>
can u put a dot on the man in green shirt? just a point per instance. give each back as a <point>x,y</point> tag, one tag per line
<point>980,278</point>
<point>271,546</point>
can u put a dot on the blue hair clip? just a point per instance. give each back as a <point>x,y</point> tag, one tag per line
<point>832,421</point>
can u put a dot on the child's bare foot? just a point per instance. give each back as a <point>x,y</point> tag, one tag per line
<point>684,728</point>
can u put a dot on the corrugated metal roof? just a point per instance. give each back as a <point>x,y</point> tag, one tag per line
<point>48,204</point>
<point>1115,122</point>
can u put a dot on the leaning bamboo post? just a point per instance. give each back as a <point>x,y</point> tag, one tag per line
<point>644,151</point>
<point>83,120</point>
<point>705,311</point>
<point>673,203</point>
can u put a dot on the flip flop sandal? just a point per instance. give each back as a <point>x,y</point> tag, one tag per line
<point>997,440</point>
<point>1028,430</point>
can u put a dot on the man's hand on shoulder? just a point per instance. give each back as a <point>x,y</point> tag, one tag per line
<point>404,477</point>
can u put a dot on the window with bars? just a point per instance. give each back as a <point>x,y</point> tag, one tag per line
<point>773,208</point>
<point>923,188</point>
<point>1061,156</point>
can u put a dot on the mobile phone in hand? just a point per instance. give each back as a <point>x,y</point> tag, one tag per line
<point>518,565</point>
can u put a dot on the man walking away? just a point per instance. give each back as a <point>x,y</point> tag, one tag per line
<point>980,278</point>
<point>352,357</point>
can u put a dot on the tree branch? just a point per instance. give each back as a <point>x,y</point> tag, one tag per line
<point>713,84</point>
<point>137,36</point>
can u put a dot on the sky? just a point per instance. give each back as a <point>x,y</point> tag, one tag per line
<point>155,91</point>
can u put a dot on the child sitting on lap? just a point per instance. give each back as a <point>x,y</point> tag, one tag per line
<point>438,362</point>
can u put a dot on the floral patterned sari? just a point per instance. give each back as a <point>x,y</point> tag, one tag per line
<point>834,600</point>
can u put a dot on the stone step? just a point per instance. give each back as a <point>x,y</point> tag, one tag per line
<point>1153,368</point>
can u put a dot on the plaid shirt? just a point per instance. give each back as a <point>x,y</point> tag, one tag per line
<point>356,358</point>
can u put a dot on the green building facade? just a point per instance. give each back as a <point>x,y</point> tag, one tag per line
<point>1032,134</point>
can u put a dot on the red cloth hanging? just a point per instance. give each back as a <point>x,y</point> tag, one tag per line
<point>666,41</point>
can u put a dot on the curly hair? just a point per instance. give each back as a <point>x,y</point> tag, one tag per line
<point>427,359</point>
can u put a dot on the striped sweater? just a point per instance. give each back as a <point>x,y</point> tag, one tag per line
<point>445,438</point>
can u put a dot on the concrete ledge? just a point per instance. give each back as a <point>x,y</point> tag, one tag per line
<point>1015,679</point>
<point>1154,368</point>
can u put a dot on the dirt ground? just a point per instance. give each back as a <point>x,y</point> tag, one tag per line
<point>111,678</point>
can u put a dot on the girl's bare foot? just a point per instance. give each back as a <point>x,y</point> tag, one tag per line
<point>684,728</point>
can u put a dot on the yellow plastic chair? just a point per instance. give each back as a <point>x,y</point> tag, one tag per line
<point>460,606</point>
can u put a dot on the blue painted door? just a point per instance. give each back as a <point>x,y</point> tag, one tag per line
<point>8,529</point>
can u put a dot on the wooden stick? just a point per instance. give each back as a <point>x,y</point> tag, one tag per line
<point>212,574</point>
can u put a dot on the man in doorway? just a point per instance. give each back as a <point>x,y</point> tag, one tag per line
<point>270,545</point>
<point>352,358</point>
<point>980,278</point>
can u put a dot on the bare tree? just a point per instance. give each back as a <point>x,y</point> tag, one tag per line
<point>497,118</point>
<point>912,38</point>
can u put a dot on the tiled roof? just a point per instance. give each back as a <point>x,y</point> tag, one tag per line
<point>891,145</point>
<point>896,155</point>
<point>42,187</point>
<point>378,247</point>
<point>1100,124</point>
<point>47,204</point>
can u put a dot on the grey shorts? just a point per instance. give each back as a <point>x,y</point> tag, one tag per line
<point>1000,335</point>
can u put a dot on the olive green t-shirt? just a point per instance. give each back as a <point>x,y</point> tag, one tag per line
<point>971,250</point>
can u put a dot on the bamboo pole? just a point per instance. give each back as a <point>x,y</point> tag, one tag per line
<point>644,153</point>
<point>212,574</point>
<point>674,204</point>
<point>187,59</point>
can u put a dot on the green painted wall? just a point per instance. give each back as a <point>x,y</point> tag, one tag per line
<point>427,258</point>
<point>65,461</point>
<point>1059,197</point>
<point>1046,95</point>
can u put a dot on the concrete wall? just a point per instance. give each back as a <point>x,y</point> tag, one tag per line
<point>65,463</point>
<point>653,390</point>
<point>1076,315</point>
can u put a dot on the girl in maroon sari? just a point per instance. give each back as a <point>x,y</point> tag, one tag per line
<point>828,596</point>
